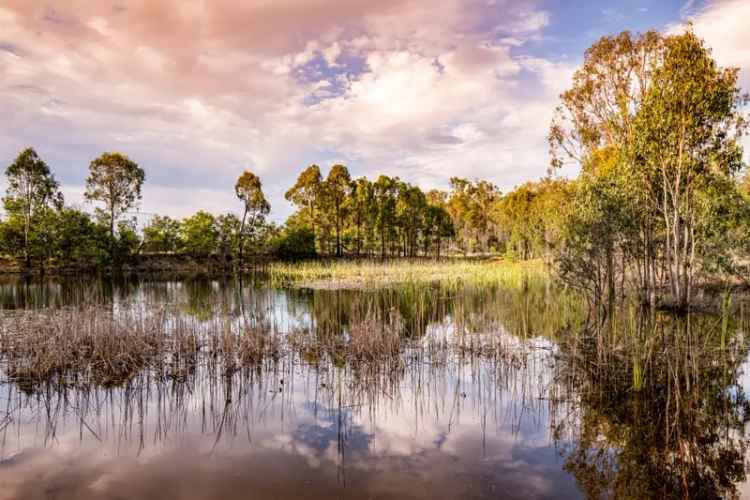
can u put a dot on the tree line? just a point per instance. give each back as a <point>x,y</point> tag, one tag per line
<point>336,216</point>
<point>39,229</point>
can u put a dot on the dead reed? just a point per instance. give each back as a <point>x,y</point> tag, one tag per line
<point>108,345</point>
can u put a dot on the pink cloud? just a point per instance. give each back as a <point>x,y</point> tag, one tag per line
<point>198,91</point>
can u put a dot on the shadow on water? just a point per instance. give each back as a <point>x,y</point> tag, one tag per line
<point>414,391</point>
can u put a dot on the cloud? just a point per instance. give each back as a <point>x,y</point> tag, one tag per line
<point>196,92</point>
<point>723,24</point>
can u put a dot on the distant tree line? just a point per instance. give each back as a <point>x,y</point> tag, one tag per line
<point>336,216</point>
<point>40,230</point>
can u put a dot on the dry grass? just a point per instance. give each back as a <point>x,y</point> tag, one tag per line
<point>94,345</point>
<point>91,342</point>
<point>372,340</point>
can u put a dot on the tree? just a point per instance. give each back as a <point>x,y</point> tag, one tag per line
<point>295,243</point>
<point>76,238</point>
<point>438,226</point>
<point>411,206</point>
<point>161,235</point>
<point>31,189</point>
<point>596,120</point>
<point>198,234</point>
<point>338,189</point>
<point>654,124</point>
<point>229,232</point>
<point>250,191</point>
<point>115,180</point>
<point>363,210</point>
<point>689,127</point>
<point>470,205</point>
<point>306,191</point>
<point>385,190</point>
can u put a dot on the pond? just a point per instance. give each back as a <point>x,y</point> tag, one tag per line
<point>489,392</point>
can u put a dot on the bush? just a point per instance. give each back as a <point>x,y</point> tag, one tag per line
<point>295,244</point>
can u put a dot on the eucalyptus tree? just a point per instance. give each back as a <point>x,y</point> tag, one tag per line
<point>598,114</point>
<point>385,191</point>
<point>363,212</point>
<point>689,127</point>
<point>250,191</point>
<point>114,180</point>
<point>411,206</point>
<point>32,189</point>
<point>338,190</point>
<point>653,122</point>
<point>438,223</point>
<point>470,205</point>
<point>437,228</point>
<point>306,192</point>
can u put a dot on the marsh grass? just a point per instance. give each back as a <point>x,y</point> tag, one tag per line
<point>98,346</point>
<point>368,273</point>
<point>229,328</point>
<point>89,342</point>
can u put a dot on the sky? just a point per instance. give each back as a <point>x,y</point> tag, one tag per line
<point>197,91</point>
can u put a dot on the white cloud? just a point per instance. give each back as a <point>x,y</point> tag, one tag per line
<point>234,86</point>
<point>724,25</point>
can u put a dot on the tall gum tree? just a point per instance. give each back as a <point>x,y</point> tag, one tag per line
<point>306,192</point>
<point>249,190</point>
<point>338,189</point>
<point>664,120</point>
<point>114,180</point>
<point>689,126</point>
<point>31,189</point>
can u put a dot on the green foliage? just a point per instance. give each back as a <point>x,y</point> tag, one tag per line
<point>198,234</point>
<point>295,243</point>
<point>114,180</point>
<point>162,235</point>
<point>250,191</point>
<point>228,234</point>
<point>654,124</point>
<point>530,219</point>
<point>78,239</point>
<point>337,191</point>
<point>470,205</point>
<point>128,241</point>
<point>359,217</point>
<point>32,190</point>
<point>306,191</point>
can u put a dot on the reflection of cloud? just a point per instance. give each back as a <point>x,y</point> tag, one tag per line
<point>428,444</point>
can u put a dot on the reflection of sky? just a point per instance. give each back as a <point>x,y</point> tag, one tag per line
<point>444,428</point>
<point>452,430</point>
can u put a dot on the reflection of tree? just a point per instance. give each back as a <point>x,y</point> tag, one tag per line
<point>661,421</point>
<point>528,310</point>
<point>200,298</point>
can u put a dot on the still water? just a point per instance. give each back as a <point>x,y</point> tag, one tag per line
<point>652,407</point>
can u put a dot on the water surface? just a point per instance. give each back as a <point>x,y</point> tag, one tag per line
<point>539,417</point>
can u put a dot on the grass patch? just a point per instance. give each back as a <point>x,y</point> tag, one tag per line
<point>374,273</point>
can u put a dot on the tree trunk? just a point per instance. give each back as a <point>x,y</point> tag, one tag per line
<point>242,237</point>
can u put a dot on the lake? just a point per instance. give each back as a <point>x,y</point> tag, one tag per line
<point>488,392</point>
